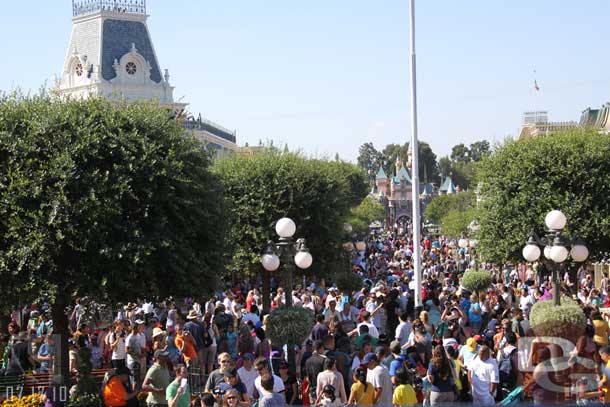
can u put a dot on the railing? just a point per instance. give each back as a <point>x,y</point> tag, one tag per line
<point>80,7</point>
<point>206,125</point>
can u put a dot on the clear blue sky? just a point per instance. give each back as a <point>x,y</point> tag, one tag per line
<point>329,75</point>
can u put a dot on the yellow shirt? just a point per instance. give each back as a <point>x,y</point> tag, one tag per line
<point>404,395</point>
<point>362,397</point>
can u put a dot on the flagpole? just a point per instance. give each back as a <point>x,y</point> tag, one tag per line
<point>415,166</point>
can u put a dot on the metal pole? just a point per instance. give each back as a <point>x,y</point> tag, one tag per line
<point>556,288</point>
<point>415,165</point>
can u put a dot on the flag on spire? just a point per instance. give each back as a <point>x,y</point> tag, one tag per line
<point>536,87</point>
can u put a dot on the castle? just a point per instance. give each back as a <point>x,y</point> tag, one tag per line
<point>396,192</point>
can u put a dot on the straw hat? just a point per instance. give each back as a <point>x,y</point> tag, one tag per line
<point>157,332</point>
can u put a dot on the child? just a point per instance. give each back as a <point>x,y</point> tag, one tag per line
<point>404,395</point>
<point>362,393</point>
<point>328,397</point>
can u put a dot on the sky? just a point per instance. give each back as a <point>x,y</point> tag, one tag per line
<point>326,76</point>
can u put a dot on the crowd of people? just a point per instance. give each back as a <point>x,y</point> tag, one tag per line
<point>369,347</point>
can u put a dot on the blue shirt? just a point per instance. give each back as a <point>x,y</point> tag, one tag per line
<point>396,364</point>
<point>440,385</point>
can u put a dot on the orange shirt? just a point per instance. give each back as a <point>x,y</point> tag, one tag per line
<point>189,351</point>
<point>115,393</point>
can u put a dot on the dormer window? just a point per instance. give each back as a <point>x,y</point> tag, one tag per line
<point>131,68</point>
<point>79,70</point>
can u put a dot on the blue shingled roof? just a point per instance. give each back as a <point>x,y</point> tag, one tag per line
<point>402,174</point>
<point>447,185</point>
<point>426,189</point>
<point>118,37</point>
<point>381,174</point>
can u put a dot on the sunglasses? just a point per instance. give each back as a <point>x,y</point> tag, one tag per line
<point>225,361</point>
<point>260,369</point>
<point>231,398</point>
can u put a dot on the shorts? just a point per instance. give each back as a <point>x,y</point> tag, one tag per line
<point>208,355</point>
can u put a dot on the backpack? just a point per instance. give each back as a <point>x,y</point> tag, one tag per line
<point>505,368</point>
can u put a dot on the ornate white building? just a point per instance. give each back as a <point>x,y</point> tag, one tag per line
<point>111,55</point>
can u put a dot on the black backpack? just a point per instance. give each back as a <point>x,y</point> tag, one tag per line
<point>505,368</point>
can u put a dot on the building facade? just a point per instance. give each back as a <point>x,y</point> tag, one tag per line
<point>111,55</point>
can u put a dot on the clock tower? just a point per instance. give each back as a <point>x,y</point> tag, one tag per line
<point>111,55</point>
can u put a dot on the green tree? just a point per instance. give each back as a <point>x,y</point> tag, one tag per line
<point>391,152</point>
<point>460,154</point>
<point>428,167</point>
<point>368,211</point>
<point>445,167</point>
<point>442,205</point>
<point>104,201</point>
<point>479,150</point>
<point>318,195</point>
<point>369,159</point>
<point>523,180</point>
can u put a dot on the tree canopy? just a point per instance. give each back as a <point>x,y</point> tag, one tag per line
<point>452,212</point>
<point>523,180</point>
<point>103,200</point>
<point>362,215</point>
<point>317,194</point>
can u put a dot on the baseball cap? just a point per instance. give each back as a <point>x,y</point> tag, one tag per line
<point>395,347</point>
<point>161,353</point>
<point>369,357</point>
<point>248,356</point>
<point>139,322</point>
<point>380,349</point>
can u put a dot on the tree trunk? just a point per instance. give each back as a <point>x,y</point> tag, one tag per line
<point>266,291</point>
<point>61,363</point>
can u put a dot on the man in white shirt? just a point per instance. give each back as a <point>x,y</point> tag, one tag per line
<point>403,329</point>
<point>484,377</point>
<point>262,367</point>
<point>366,320</point>
<point>247,373</point>
<point>380,378</point>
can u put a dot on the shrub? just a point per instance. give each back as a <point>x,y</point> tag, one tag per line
<point>565,321</point>
<point>476,280</point>
<point>289,325</point>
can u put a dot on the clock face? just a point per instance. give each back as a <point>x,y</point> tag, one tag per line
<point>79,70</point>
<point>131,68</point>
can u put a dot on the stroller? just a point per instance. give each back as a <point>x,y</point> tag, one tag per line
<point>513,398</point>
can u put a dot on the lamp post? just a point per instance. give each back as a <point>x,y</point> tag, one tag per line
<point>290,253</point>
<point>555,246</point>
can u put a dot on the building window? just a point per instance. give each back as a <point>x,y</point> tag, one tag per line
<point>79,70</point>
<point>131,68</point>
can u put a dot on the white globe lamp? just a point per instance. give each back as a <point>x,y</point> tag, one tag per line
<point>531,252</point>
<point>559,254</point>
<point>285,227</point>
<point>303,260</point>
<point>555,220</point>
<point>270,262</point>
<point>579,253</point>
<point>547,252</point>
